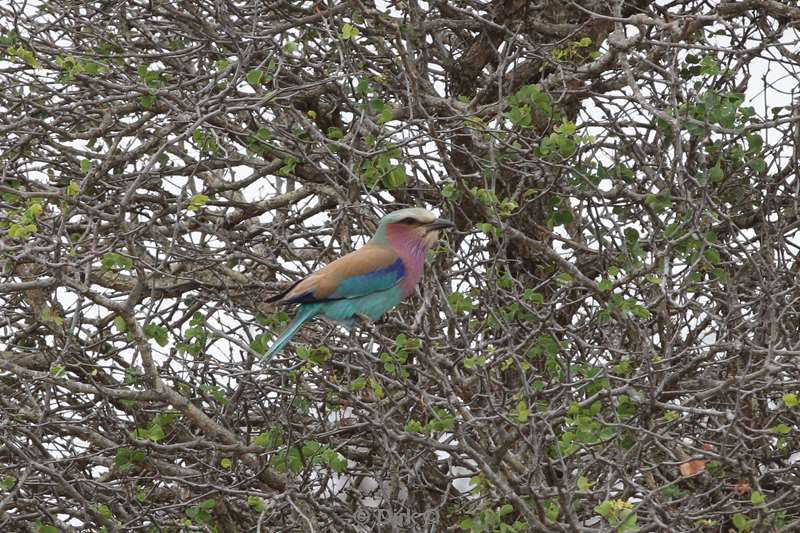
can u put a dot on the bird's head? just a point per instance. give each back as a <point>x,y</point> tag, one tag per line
<point>414,224</point>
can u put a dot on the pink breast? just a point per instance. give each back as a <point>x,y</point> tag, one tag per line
<point>411,250</point>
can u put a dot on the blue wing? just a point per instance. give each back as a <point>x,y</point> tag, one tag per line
<point>377,281</point>
<point>367,270</point>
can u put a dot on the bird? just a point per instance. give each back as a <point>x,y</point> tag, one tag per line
<point>367,282</point>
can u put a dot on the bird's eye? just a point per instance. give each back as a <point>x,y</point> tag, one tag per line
<point>409,220</point>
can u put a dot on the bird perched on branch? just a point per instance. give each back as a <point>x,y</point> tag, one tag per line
<point>369,281</point>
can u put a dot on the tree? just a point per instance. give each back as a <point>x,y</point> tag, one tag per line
<point>609,341</point>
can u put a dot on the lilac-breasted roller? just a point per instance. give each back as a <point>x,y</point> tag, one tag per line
<point>368,281</point>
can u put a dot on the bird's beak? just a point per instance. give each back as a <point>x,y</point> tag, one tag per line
<point>439,223</point>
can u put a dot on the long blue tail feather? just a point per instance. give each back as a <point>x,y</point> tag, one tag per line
<point>304,313</point>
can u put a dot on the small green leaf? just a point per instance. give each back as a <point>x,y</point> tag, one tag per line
<point>197,202</point>
<point>791,400</point>
<point>396,177</point>
<point>741,523</point>
<point>358,383</point>
<point>225,462</point>
<point>712,256</point>
<point>21,231</point>
<point>414,426</point>
<point>73,188</point>
<point>349,33</point>
<point>256,503</point>
<point>758,165</point>
<point>147,100</point>
<point>7,482</point>
<point>715,173</point>
<point>120,325</point>
<point>756,498</point>
<point>113,260</point>
<point>460,303</point>
<point>521,412</point>
<point>254,77</point>
<point>334,133</point>
<point>159,333</point>
<point>269,439</point>
<point>781,429</point>
<point>126,457</point>
<point>260,343</point>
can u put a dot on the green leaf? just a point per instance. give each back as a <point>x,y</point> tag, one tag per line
<point>715,173</point>
<point>197,202</point>
<point>85,165</point>
<point>444,421</point>
<point>120,325</point>
<point>260,343</point>
<point>396,177</point>
<point>7,482</point>
<point>584,483</point>
<point>225,462</point>
<point>460,303</point>
<point>520,116</point>
<point>47,528</point>
<point>349,32</point>
<point>521,412</point>
<point>270,439</point>
<point>147,100</point>
<point>474,362</point>
<point>468,524</point>
<point>103,509</point>
<point>754,143</point>
<point>334,133</point>
<point>384,111</point>
<point>781,429</point>
<point>159,333</point>
<point>113,260</point>
<point>741,523</point>
<point>289,164</point>
<point>73,188</point>
<point>256,503</point>
<point>414,426</point>
<point>363,87</point>
<point>126,457</point>
<point>359,383</point>
<point>758,165</point>
<point>709,65</point>
<point>721,275</point>
<point>712,256</point>
<point>791,400</point>
<point>254,77</point>
<point>756,498</point>
<point>9,39</point>
<point>26,55</point>
<point>504,510</point>
<point>21,231</point>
